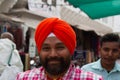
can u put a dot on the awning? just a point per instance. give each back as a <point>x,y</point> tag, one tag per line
<point>9,18</point>
<point>30,18</point>
<point>6,5</point>
<point>1,1</point>
<point>82,22</point>
<point>97,8</point>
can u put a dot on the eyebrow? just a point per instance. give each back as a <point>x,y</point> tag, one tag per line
<point>45,44</point>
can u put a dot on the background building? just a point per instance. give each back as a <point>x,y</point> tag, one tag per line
<point>20,17</point>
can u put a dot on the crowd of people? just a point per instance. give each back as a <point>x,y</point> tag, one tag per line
<point>56,41</point>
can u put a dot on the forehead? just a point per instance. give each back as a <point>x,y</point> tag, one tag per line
<point>111,44</point>
<point>52,40</point>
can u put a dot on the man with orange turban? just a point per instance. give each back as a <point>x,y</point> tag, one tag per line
<point>56,42</point>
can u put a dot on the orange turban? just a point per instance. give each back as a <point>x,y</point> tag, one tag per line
<point>60,28</point>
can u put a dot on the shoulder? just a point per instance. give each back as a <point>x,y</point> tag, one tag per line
<point>81,74</point>
<point>34,73</point>
<point>117,66</point>
<point>88,65</point>
<point>90,75</point>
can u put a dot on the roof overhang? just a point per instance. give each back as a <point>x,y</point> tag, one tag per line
<point>83,22</point>
<point>30,18</point>
<point>6,5</point>
<point>4,17</point>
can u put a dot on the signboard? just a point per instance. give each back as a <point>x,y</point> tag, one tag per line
<point>32,48</point>
<point>43,8</point>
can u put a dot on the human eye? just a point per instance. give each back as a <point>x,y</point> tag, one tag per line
<point>60,46</point>
<point>115,50</point>
<point>106,49</point>
<point>45,48</point>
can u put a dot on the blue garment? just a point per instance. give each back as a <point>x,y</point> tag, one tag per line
<point>96,67</point>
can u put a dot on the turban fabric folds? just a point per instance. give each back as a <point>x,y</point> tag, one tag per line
<point>60,28</point>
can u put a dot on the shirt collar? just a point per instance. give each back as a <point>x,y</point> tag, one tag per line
<point>99,67</point>
<point>69,71</point>
<point>117,67</point>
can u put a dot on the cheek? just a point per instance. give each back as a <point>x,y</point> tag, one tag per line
<point>43,55</point>
<point>103,53</point>
<point>65,54</point>
<point>117,55</point>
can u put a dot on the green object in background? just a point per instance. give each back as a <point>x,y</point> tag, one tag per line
<point>97,8</point>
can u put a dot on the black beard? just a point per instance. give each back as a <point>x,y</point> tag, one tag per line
<point>56,69</point>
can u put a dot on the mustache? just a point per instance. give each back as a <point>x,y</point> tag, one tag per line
<point>54,59</point>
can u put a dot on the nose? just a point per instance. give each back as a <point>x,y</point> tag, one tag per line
<point>53,53</point>
<point>110,53</point>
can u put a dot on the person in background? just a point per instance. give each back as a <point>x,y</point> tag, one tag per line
<point>7,35</point>
<point>10,61</point>
<point>109,51</point>
<point>56,41</point>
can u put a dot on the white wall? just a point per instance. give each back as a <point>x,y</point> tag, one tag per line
<point>113,22</point>
<point>116,24</point>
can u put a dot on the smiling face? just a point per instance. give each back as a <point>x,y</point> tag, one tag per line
<point>54,56</point>
<point>109,51</point>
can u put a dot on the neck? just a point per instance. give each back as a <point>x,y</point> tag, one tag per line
<point>108,67</point>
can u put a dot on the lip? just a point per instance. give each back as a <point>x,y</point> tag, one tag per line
<point>54,62</point>
<point>108,59</point>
